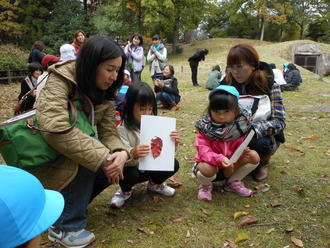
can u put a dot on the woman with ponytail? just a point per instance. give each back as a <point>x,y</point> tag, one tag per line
<point>250,76</point>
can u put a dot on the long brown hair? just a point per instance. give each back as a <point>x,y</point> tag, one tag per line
<point>76,35</point>
<point>245,52</point>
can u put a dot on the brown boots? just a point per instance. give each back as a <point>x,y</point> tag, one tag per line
<point>174,106</point>
<point>261,173</point>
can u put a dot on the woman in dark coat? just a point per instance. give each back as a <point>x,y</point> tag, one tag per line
<point>293,80</point>
<point>34,71</point>
<point>36,53</point>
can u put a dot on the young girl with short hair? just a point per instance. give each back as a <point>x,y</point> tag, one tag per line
<point>220,132</point>
<point>140,100</point>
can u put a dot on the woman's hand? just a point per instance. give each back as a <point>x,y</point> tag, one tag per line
<point>140,151</point>
<point>175,135</point>
<point>113,166</point>
<point>33,93</point>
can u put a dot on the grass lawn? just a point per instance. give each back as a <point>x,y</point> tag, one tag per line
<point>292,206</point>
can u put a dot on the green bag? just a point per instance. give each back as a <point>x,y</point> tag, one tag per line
<point>21,142</point>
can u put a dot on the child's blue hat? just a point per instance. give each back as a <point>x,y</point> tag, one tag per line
<point>26,208</point>
<point>230,89</point>
<point>285,64</point>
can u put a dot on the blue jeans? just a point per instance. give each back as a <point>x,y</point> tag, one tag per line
<point>77,195</point>
<point>165,98</point>
<point>264,146</point>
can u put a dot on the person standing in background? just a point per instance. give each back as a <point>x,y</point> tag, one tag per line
<point>36,53</point>
<point>78,40</point>
<point>134,53</point>
<point>194,61</point>
<point>157,57</point>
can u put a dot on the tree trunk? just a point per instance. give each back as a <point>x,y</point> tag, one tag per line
<point>262,28</point>
<point>301,31</point>
<point>139,16</point>
<point>176,33</point>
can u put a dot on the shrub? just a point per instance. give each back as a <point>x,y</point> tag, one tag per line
<point>12,57</point>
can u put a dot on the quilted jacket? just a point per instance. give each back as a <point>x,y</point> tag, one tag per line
<point>76,147</point>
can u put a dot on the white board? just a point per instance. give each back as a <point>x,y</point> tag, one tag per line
<point>241,148</point>
<point>155,132</point>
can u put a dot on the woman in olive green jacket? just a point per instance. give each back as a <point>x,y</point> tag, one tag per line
<point>89,164</point>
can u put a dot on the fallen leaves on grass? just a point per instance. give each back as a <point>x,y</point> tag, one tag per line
<point>157,199</point>
<point>247,220</point>
<point>275,204</point>
<point>228,244</point>
<point>296,149</point>
<point>241,237</point>
<point>204,211</point>
<point>270,230</point>
<point>177,220</point>
<point>145,231</point>
<point>175,181</point>
<point>263,187</point>
<point>289,229</point>
<point>297,242</point>
<point>239,214</point>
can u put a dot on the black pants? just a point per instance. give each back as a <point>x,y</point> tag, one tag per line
<point>136,76</point>
<point>133,176</point>
<point>194,68</point>
<point>289,87</point>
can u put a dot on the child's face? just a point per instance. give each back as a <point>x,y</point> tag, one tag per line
<point>155,42</point>
<point>139,110</point>
<point>223,116</point>
<point>36,74</point>
<point>126,77</point>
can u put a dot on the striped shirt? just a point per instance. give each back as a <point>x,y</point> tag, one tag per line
<point>276,122</point>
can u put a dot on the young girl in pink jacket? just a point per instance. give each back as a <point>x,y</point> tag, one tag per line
<point>220,132</point>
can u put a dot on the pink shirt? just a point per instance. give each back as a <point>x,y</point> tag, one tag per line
<point>212,152</point>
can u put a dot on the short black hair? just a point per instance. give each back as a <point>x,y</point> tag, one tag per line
<point>34,66</point>
<point>216,68</point>
<point>155,37</point>
<point>222,100</point>
<point>272,65</point>
<point>141,93</point>
<point>95,51</point>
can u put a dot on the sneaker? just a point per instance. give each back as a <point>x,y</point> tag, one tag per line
<point>119,198</point>
<point>205,192</point>
<point>77,239</point>
<point>162,189</point>
<point>239,188</point>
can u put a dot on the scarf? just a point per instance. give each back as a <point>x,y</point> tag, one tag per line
<point>158,47</point>
<point>225,132</point>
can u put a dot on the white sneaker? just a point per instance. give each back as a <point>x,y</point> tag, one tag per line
<point>119,198</point>
<point>162,189</point>
<point>79,239</point>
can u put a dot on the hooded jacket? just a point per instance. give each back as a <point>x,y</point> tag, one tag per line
<point>76,147</point>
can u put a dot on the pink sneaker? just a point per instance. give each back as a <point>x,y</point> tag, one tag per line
<point>239,188</point>
<point>205,192</point>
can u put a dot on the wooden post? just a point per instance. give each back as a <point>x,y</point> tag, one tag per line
<point>9,76</point>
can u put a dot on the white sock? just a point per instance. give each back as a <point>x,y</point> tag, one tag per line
<point>242,172</point>
<point>203,179</point>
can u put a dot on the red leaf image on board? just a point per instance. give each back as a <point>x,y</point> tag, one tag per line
<point>156,146</point>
